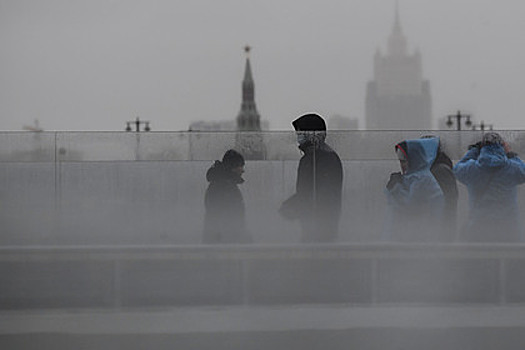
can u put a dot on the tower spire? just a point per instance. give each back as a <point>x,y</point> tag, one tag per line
<point>248,78</point>
<point>248,118</point>
<point>397,22</point>
<point>397,43</point>
<point>250,144</point>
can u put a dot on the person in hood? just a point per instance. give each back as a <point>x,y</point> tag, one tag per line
<point>415,199</point>
<point>317,200</point>
<point>442,169</point>
<point>491,173</point>
<point>224,220</point>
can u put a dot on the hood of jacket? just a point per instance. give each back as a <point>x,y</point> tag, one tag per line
<point>420,153</point>
<point>492,156</point>
<point>218,172</point>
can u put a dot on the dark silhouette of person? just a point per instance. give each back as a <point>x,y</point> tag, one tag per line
<point>224,220</point>
<point>492,174</point>
<point>442,169</point>
<point>317,200</point>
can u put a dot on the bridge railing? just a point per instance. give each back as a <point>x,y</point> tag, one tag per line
<point>361,274</point>
<point>148,188</point>
<point>70,146</point>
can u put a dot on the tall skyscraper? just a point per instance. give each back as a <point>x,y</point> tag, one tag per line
<point>398,98</point>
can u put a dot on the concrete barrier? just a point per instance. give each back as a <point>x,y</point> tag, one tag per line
<point>357,274</point>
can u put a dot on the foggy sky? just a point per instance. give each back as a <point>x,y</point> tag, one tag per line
<point>94,64</point>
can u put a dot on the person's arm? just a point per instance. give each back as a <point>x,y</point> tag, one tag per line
<point>398,189</point>
<point>329,171</point>
<point>517,169</point>
<point>464,168</point>
<point>293,207</point>
<point>217,200</point>
<point>413,191</point>
<point>446,180</point>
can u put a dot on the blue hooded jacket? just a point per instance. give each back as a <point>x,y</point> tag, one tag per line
<point>491,179</point>
<point>416,201</point>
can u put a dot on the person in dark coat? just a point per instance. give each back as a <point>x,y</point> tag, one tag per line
<point>492,174</point>
<point>224,220</point>
<point>317,201</point>
<point>442,169</point>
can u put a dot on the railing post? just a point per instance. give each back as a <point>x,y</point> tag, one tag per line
<point>58,189</point>
<point>374,281</point>
<point>502,288</point>
<point>117,287</point>
<point>245,282</point>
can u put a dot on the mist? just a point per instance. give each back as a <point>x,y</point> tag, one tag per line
<point>123,188</point>
<point>101,244</point>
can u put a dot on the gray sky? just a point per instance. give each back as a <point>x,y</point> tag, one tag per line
<point>93,64</point>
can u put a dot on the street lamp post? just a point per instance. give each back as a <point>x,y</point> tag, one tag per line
<point>138,123</point>
<point>458,116</point>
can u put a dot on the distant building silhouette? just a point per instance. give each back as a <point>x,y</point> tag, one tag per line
<point>221,125</point>
<point>250,142</point>
<point>339,122</point>
<point>35,127</point>
<point>246,126</point>
<point>248,118</point>
<point>398,97</point>
<point>214,125</point>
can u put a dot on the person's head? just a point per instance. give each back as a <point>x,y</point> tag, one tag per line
<point>402,156</point>
<point>418,154</point>
<point>309,127</point>
<point>492,138</point>
<point>233,161</point>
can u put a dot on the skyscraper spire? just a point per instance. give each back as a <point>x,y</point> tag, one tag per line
<point>248,118</point>
<point>397,43</point>
<point>397,21</point>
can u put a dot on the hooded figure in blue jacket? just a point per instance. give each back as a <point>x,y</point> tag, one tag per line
<point>415,198</point>
<point>491,173</point>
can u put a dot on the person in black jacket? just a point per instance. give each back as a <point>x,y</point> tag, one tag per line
<point>317,201</point>
<point>224,220</point>
<point>442,169</point>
